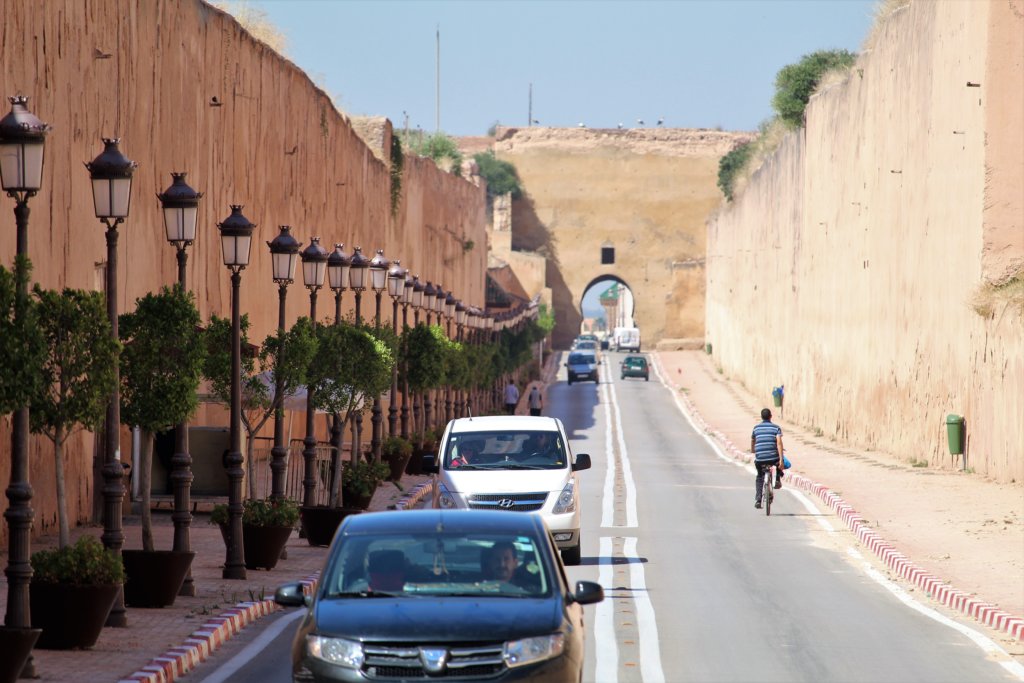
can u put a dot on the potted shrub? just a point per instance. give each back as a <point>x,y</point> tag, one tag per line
<point>72,591</point>
<point>422,353</point>
<point>161,367</point>
<point>266,526</point>
<point>360,479</point>
<point>396,452</point>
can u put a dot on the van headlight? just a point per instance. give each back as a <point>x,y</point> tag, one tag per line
<point>445,499</point>
<point>566,499</point>
<point>532,650</point>
<point>337,651</point>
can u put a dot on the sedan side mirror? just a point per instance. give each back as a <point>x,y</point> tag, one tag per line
<point>582,462</point>
<point>588,592</point>
<point>291,595</point>
<point>429,464</point>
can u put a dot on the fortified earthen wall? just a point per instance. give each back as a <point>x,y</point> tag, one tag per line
<point>850,267</point>
<point>646,192</point>
<point>187,89</point>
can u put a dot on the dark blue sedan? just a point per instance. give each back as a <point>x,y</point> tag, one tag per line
<point>453,594</point>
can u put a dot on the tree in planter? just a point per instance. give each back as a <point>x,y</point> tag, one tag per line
<point>423,350</point>
<point>161,366</point>
<point>288,354</point>
<point>22,344</point>
<point>78,375</point>
<point>351,366</point>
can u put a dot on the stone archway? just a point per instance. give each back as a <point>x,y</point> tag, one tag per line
<point>615,296</point>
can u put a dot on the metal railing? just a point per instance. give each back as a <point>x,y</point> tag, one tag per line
<point>294,472</point>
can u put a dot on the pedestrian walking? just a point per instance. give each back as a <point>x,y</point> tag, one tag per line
<point>511,398</point>
<point>535,400</point>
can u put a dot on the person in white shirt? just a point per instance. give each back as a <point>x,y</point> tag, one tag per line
<point>535,400</point>
<point>511,398</point>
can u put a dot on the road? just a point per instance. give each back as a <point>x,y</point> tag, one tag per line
<point>699,585</point>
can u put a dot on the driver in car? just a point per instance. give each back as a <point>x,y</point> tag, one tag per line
<point>501,563</point>
<point>542,446</point>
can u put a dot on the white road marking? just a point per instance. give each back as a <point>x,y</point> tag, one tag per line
<point>607,647</point>
<point>650,653</point>
<point>231,667</point>
<point>627,472</point>
<point>608,499</point>
<point>986,644</point>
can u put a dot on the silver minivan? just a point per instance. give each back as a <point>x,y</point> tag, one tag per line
<point>582,365</point>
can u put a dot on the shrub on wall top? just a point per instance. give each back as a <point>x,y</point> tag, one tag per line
<point>795,83</point>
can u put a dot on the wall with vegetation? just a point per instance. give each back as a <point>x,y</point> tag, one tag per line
<point>873,265</point>
<point>187,89</point>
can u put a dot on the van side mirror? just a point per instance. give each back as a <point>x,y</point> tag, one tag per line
<point>429,464</point>
<point>582,462</point>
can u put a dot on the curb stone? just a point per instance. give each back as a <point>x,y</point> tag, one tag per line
<point>934,587</point>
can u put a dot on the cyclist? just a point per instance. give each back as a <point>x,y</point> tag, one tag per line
<point>766,445</point>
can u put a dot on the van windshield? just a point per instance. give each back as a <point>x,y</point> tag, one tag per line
<point>580,358</point>
<point>506,450</point>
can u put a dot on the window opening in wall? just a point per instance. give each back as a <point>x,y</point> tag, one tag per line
<point>607,254</point>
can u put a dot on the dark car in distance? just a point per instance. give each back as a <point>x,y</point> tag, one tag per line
<point>420,594</point>
<point>635,366</point>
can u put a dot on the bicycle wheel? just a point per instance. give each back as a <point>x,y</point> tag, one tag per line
<point>766,492</point>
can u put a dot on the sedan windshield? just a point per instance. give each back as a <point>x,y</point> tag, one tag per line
<point>540,450</point>
<point>403,565</point>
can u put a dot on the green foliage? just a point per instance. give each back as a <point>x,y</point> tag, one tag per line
<point>299,346</point>
<point>397,164</point>
<point>217,367</point>
<point>795,83</point>
<point>545,319</point>
<point>270,512</point>
<point>500,175</point>
<point>162,360</point>
<point>86,563</point>
<point>423,348</point>
<point>351,366</point>
<point>456,364</point>
<point>437,146</point>
<point>730,165</point>
<point>219,514</point>
<point>396,446</point>
<point>362,477</point>
<point>78,371</point>
<point>22,344</point>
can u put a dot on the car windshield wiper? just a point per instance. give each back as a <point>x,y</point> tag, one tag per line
<point>364,594</point>
<point>516,466</point>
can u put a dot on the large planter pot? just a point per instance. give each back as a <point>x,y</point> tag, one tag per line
<point>263,544</point>
<point>70,616</point>
<point>320,522</point>
<point>415,464</point>
<point>154,577</point>
<point>16,645</point>
<point>354,499</point>
<point>398,464</point>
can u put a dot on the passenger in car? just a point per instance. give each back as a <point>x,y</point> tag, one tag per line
<point>500,562</point>
<point>387,570</point>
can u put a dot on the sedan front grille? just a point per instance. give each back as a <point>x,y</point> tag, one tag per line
<point>515,502</point>
<point>474,662</point>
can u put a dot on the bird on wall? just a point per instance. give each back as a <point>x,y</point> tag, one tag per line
<point>640,122</point>
<point>581,125</point>
<point>620,126</point>
<point>661,121</point>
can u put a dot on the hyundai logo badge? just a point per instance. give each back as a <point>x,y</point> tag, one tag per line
<point>506,503</point>
<point>433,659</point>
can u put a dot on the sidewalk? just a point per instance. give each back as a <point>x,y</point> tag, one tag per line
<point>957,537</point>
<point>162,644</point>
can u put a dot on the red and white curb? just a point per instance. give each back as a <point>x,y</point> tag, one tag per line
<point>935,588</point>
<point>414,496</point>
<point>178,661</point>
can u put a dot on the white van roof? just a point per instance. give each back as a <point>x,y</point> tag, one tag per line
<point>499,423</point>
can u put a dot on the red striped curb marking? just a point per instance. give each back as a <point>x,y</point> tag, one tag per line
<point>897,562</point>
<point>415,495</point>
<point>200,645</point>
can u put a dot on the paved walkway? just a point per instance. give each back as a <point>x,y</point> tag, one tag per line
<point>957,537</point>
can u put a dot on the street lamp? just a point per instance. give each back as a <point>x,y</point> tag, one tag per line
<point>358,266</point>
<point>284,254</point>
<point>22,137</point>
<point>429,299</point>
<point>396,289</point>
<point>235,245</point>
<point>449,311</point>
<point>407,292</point>
<point>180,205</point>
<point>417,298</point>
<point>337,276</point>
<point>460,320</point>
<point>111,173</point>
<point>314,269</point>
<point>378,280</point>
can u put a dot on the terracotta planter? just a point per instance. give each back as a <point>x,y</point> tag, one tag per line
<point>320,522</point>
<point>263,545</point>
<point>70,616</point>
<point>16,646</point>
<point>154,577</point>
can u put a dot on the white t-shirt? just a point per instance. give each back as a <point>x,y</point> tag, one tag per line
<point>511,394</point>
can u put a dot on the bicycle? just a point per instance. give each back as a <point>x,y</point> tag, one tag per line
<point>768,489</point>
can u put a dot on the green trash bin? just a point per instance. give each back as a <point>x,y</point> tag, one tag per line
<point>955,432</point>
<point>707,349</point>
<point>777,396</point>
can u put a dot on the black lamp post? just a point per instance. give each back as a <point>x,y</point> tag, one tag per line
<point>314,269</point>
<point>22,137</point>
<point>439,410</point>
<point>358,265</point>
<point>284,254</point>
<point>235,244</point>
<point>407,289</point>
<point>180,205</point>
<point>111,174</point>
<point>460,394</point>
<point>378,280</point>
<point>449,313</point>
<point>417,303</point>
<point>429,301</point>
<point>338,264</point>
<point>396,288</point>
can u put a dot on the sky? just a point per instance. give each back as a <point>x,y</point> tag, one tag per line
<point>691,63</point>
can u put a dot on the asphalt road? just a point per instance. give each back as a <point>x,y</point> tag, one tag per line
<point>699,585</point>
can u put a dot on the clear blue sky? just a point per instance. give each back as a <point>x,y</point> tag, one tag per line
<point>696,63</point>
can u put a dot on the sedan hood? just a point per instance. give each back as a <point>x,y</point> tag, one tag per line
<point>419,619</point>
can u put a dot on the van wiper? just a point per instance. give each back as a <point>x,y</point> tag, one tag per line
<point>364,594</point>
<point>515,466</point>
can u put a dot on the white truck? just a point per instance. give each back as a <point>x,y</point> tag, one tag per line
<point>626,339</point>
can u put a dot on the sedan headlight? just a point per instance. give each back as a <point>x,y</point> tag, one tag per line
<point>566,499</point>
<point>445,499</point>
<point>337,651</point>
<point>532,650</point>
